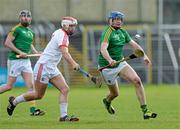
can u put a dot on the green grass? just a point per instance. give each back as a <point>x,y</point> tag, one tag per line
<point>86,103</point>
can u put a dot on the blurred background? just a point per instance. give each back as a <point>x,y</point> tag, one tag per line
<point>157,21</point>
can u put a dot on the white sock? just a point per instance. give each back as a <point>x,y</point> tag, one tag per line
<point>19,99</point>
<point>63,109</point>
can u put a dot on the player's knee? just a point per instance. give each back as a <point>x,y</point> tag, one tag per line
<point>65,90</point>
<point>137,81</point>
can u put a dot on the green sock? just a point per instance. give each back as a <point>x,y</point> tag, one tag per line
<point>32,109</point>
<point>144,108</point>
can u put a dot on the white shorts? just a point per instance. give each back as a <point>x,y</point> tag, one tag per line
<point>45,72</point>
<point>16,67</point>
<point>110,75</point>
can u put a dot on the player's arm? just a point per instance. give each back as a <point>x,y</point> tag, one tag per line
<point>33,49</point>
<point>105,53</point>
<point>8,43</point>
<point>135,46</point>
<point>68,58</point>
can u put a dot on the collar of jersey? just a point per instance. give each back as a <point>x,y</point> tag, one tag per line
<point>112,28</point>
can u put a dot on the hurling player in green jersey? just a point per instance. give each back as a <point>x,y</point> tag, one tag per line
<point>113,39</point>
<point>20,41</point>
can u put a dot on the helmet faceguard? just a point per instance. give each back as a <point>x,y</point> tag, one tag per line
<point>69,24</point>
<point>26,14</point>
<point>116,15</point>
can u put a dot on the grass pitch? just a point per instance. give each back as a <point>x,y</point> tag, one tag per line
<point>86,103</point>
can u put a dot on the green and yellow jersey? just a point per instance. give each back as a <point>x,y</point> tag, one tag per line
<point>23,39</point>
<point>116,40</point>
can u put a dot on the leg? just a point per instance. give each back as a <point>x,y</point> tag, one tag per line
<point>28,78</point>
<point>60,83</point>
<point>110,77</point>
<point>129,74</point>
<point>113,93</point>
<point>9,85</point>
<point>39,92</point>
<point>40,89</point>
<point>13,72</point>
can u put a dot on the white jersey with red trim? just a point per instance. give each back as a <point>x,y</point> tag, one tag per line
<point>52,53</point>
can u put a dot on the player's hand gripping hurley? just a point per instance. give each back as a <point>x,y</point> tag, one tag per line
<point>137,54</point>
<point>96,80</point>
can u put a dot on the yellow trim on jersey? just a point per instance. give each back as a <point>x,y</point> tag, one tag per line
<point>14,28</point>
<point>107,34</point>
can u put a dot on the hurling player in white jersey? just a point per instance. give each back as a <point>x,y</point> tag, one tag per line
<point>46,71</point>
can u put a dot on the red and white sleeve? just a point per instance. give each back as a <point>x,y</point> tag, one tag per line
<point>64,41</point>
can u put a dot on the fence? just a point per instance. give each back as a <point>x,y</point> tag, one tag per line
<point>84,47</point>
<point>167,43</point>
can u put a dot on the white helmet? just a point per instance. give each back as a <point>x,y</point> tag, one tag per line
<point>66,21</point>
<point>25,13</point>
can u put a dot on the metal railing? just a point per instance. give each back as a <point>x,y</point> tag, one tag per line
<point>173,57</point>
<point>165,66</point>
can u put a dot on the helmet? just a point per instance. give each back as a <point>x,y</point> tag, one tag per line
<point>66,21</point>
<point>69,24</point>
<point>25,13</point>
<point>115,14</point>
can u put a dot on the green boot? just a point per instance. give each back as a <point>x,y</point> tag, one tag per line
<point>108,106</point>
<point>147,113</point>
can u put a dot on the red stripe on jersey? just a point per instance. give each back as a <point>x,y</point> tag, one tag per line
<point>65,41</point>
<point>39,72</point>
